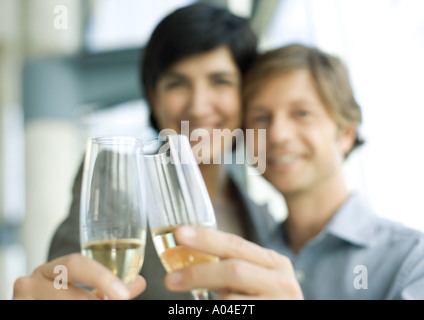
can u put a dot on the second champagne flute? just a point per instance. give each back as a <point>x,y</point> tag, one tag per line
<point>177,196</point>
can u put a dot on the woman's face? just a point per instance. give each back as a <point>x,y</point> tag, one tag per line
<point>199,96</point>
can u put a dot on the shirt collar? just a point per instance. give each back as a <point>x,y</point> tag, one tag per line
<point>354,221</point>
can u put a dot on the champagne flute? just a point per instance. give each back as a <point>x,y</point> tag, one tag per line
<point>178,196</point>
<point>113,219</point>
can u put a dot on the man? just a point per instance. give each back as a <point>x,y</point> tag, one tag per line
<point>339,247</point>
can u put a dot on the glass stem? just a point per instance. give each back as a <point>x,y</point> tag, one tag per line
<point>200,294</point>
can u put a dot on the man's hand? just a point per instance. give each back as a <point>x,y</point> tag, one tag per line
<point>245,271</point>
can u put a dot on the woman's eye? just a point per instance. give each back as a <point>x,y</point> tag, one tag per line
<point>302,113</point>
<point>174,84</point>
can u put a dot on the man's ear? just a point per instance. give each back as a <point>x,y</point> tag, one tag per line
<point>347,138</point>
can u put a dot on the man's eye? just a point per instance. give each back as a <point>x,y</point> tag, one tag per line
<point>261,119</point>
<point>222,82</point>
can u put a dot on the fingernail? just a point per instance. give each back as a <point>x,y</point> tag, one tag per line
<point>175,277</point>
<point>120,290</point>
<point>187,232</point>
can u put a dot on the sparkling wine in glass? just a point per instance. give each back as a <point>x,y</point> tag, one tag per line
<point>177,197</point>
<point>113,218</point>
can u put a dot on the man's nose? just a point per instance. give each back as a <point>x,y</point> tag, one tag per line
<point>282,129</point>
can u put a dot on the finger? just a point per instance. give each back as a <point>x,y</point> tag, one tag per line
<point>235,296</point>
<point>40,288</point>
<point>76,268</point>
<point>226,245</point>
<point>233,276</point>
<point>137,286</point>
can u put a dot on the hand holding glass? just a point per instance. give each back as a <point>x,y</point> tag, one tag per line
<point>113,218</point>
<point>178,196</point>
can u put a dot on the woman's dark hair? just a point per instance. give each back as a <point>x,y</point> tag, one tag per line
<point>193,29</point>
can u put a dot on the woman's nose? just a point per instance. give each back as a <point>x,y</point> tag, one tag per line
<point>200,103</point>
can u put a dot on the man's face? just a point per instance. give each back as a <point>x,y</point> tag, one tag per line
<point>304,147</point>
<point>203,89</point>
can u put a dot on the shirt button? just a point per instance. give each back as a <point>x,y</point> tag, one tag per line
<point>300,275</point>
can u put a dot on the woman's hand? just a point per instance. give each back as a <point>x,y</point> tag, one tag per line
<point>73,271</point>
<point>245,271</point>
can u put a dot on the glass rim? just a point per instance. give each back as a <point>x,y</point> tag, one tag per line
<point>161,141</point>
<point>117,139</point>
<point>154,141</point>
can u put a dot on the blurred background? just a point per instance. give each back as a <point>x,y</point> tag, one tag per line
<point>68,71</point>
